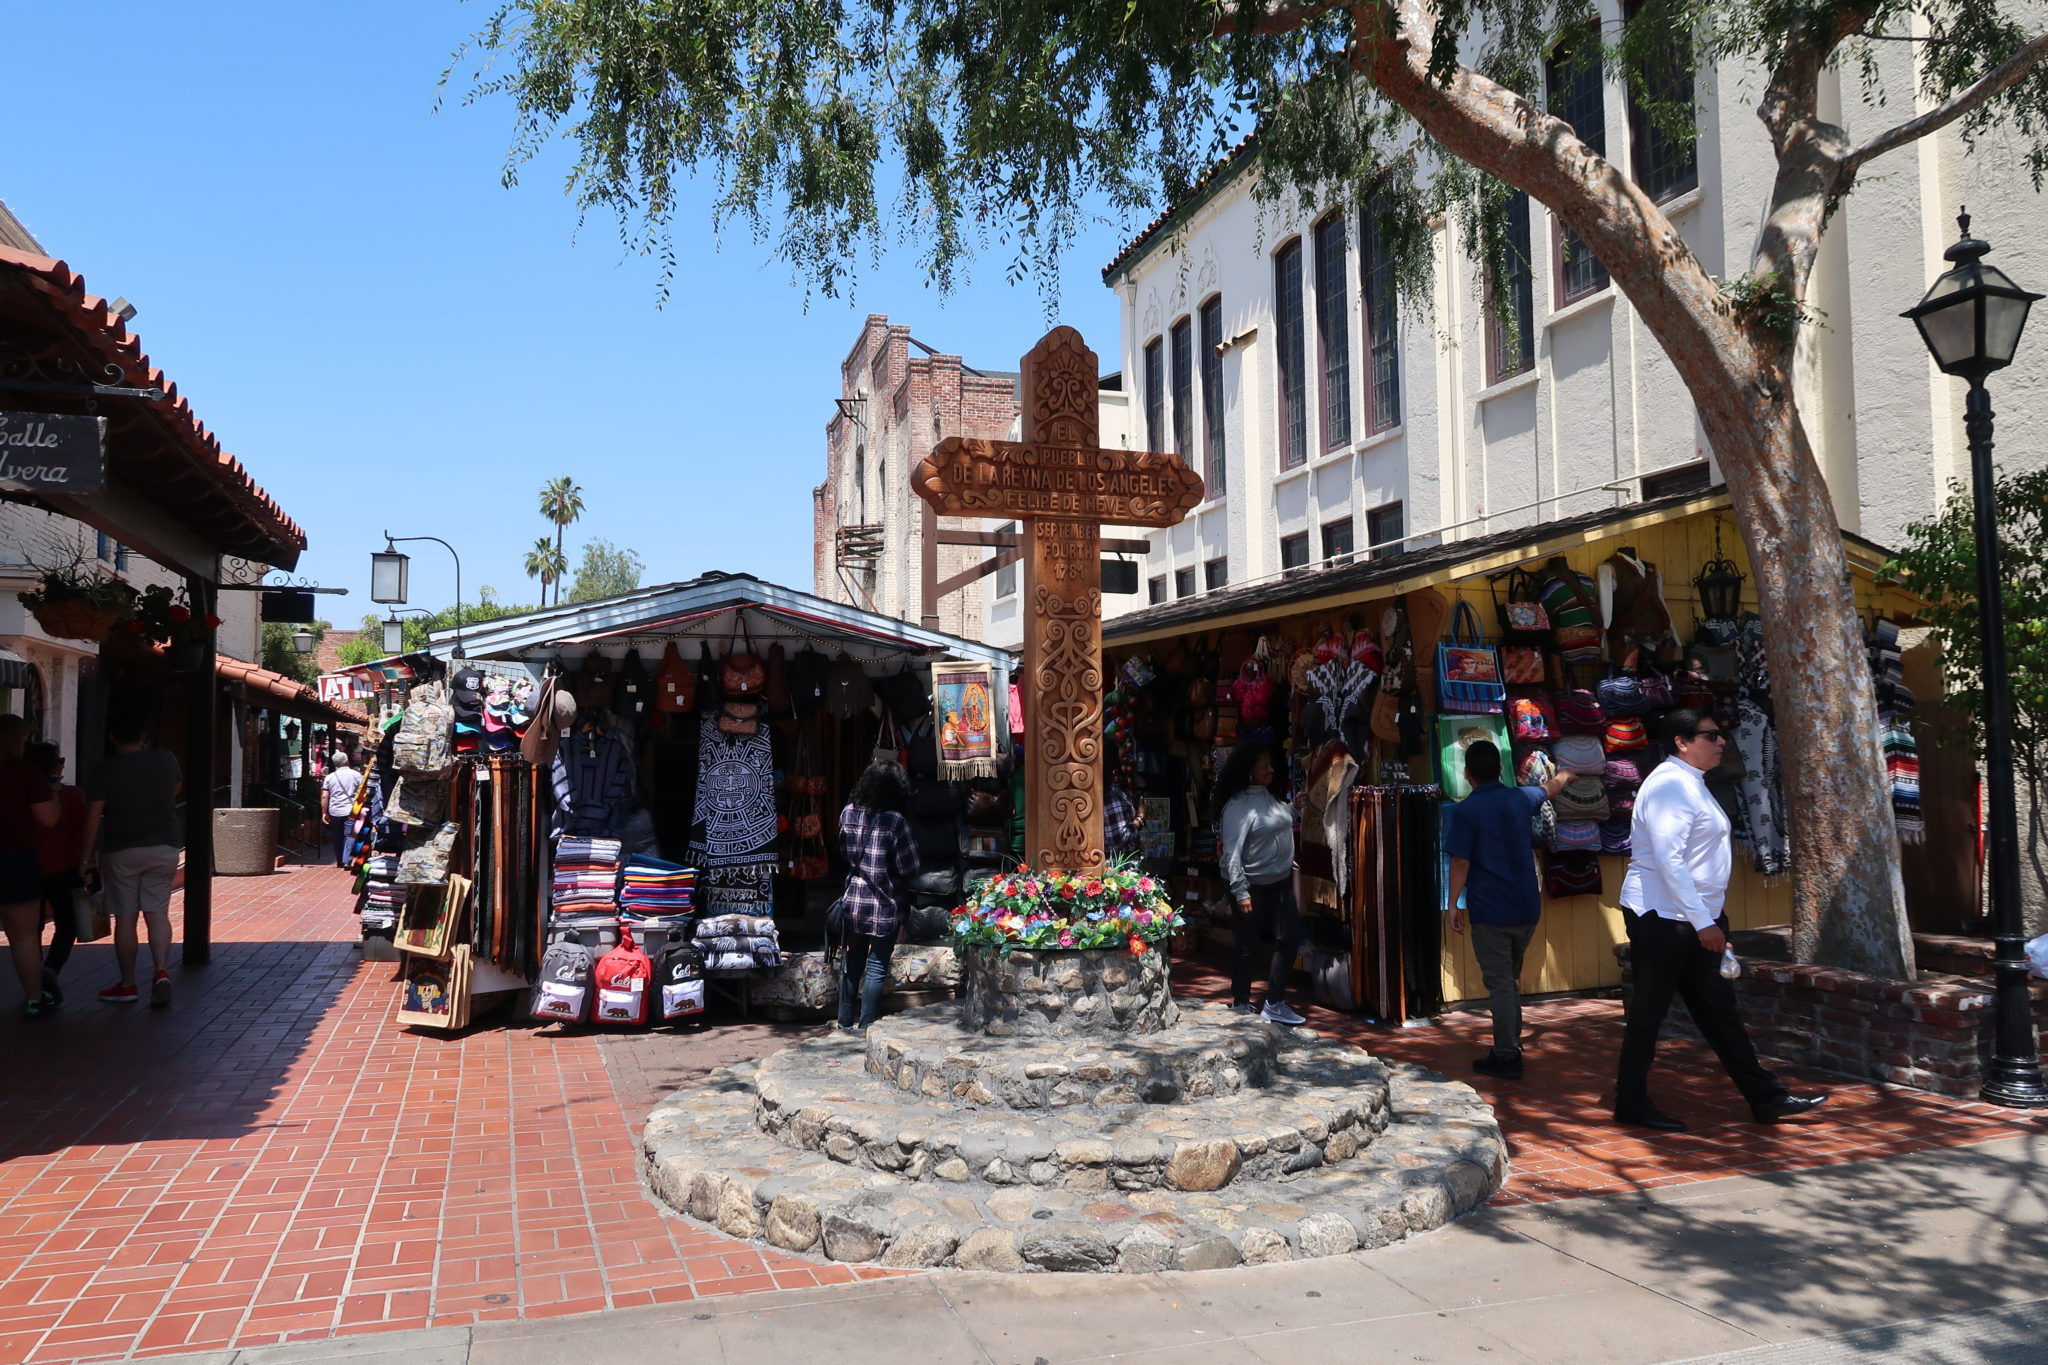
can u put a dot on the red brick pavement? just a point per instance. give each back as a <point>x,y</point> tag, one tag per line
<point>273,1159</point>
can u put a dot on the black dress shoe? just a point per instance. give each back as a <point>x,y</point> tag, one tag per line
<point>1787,1107</point>
<point>1501,1068</point>
<point>1649,1117</point>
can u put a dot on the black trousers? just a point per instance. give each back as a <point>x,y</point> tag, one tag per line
<point>58,888</point>
<point>1274,915</point>
<point>1666,959</point>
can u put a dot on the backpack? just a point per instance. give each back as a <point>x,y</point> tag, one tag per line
<point>424,742</point>
<point>564,985</point>
<point>807,674</point>
<point>848,692</point>
<point>680,975</point>
<point>635,695</point>
<point>675,689</point>
<point>621,977</point>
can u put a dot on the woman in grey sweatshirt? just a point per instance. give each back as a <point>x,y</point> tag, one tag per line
<point>1258,865</point>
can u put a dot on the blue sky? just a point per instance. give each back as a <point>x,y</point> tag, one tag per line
<point>389,339</point>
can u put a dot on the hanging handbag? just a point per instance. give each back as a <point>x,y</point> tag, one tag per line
<point>1568,873</point>
<point>90,920</point>
<point>710,691</point>
<point>1467,668</point>
<point>1254,690</point>
<point>1522,666</point>
<point>1657,692</point>
<point>1531,719</point>
<point>1621,694</point>
<point>1580,835</point>
<point>1580,754</point>
<point>1625,735</point>
<point>1578,711</point>
<point>1583,798</point>
<point>1522,617</point>
<point>1616,834</point>
<point>675,686</point>
<point>742,674</point>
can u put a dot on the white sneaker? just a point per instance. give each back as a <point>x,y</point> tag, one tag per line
<point>1279,1013</point>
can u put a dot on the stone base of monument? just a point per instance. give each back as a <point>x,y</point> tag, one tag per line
<point>1219,1140</point>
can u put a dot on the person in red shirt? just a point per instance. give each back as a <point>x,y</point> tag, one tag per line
<point>26,806</point>
<point>60,852</point>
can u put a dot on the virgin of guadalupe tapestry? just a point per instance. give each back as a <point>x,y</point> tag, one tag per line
<point>732,835</point>
<point>964,715</point>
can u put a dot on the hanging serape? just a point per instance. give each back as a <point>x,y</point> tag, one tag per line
<point>964,717</point>
<point>732,837</point>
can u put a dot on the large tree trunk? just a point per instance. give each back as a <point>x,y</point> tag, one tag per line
<point>1848,896</point>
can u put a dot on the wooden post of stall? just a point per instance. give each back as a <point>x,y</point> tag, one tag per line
<point>202,693</point>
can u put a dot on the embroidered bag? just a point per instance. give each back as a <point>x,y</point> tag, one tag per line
<point>1522,617</point>
<point>1624,735</point>
<point>1615,835</point>
<point>1534,767</point>
<point>1138,672</point>
<point>1622,773</point>
<point>1580,754</point>
<point>1467,668</point>
<point>1621,695</point>
<point>1543,826</point>
<point>1531,718</point>
<point>1578,711</point>
<point>1254,687</point>
<point>1657,693</point>
<point>1522,666</point>
<point>1583,835</point>
<point>1567,873</point>
<point>1583,798</point>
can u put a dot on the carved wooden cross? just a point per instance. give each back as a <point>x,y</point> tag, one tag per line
<point>1063,485</point>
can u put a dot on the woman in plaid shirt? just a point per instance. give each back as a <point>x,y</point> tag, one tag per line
<point>881,858</point>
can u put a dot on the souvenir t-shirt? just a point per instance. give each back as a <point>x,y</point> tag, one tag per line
<point>141,794</point>
<point>1490,830</point>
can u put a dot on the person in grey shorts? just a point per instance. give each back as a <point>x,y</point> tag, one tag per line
<point>132,835</point>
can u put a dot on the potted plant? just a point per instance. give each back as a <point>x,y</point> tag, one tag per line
<point>79,602</point>
<point>1120,907</point>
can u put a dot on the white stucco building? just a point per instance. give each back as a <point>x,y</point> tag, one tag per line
<point>1329,419</point>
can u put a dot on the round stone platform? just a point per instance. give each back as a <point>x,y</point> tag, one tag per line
<point>1219,1141</point>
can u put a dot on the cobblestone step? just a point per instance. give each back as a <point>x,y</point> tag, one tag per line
<point>1211,1052</point>
<point>1328,1104</point>
<point>1440,1155</point>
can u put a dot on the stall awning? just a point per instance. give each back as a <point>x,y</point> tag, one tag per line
<point>1300,591</point>
<point>172,492</point>
<point>280,693</point>
<point>718,608</point>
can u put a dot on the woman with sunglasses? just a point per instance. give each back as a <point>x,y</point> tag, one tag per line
<point>1677,880</point>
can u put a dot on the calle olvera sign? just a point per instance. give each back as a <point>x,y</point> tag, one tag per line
<point>47,452</point>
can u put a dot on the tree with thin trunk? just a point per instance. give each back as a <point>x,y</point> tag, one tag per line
<point>1006,120</point>
<point>546,562</point>
<point>561,502</point>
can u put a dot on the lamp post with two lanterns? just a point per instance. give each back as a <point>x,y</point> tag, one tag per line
<point>1971,320</point>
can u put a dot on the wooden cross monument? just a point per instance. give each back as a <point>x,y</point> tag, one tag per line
<point>1063,485</point>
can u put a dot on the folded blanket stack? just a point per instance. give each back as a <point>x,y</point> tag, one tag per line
<point>738,943</point>
<point>586,877</point>
<point>1895,706</point>
<point>382,901</point>
<point>656,889</point>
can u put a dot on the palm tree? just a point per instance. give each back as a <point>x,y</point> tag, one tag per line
<point>561,502</point>
<point>546,562</point>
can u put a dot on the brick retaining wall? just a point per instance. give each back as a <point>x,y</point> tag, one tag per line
<point>1932,1034</point>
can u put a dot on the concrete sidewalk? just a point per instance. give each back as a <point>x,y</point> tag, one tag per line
<point>1809,1261</point>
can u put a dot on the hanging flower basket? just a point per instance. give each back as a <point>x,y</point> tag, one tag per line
<point>74,618</point>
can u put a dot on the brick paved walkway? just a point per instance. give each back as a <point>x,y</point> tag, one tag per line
<point>272,1159</point>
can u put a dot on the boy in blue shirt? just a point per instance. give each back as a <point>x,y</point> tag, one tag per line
<point>1493,866</point>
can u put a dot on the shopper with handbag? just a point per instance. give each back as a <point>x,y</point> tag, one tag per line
<point>27,806</point>
<point>881,861</point>
<point>57,846</point>
<point>1258,865</point>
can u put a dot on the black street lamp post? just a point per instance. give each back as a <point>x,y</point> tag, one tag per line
<point>1971,320</point>
<point>389,572</point>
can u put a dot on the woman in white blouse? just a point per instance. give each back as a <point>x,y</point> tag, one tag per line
<point>1677,880</point>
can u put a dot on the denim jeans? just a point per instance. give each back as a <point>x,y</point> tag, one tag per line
<point>863,973</point>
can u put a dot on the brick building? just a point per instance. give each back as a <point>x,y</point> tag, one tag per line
<point>897,399</point>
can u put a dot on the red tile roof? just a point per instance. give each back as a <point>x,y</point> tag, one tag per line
<point>258,528</point>
<point>301,700</point>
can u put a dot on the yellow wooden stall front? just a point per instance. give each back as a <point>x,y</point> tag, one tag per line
<point>1573,949</point>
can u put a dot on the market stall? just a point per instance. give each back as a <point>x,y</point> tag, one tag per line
<point>646,788</point>
<point>1564,644</point>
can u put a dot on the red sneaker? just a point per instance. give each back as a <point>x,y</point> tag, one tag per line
<point>121,994</point>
